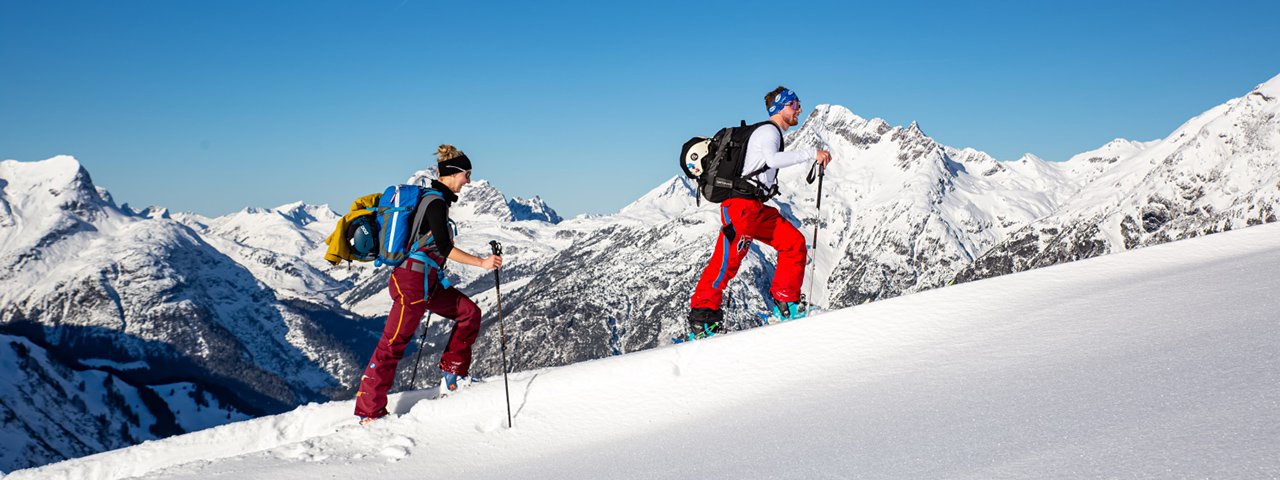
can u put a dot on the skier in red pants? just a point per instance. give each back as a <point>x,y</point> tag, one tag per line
<point>417,287</point>
<point>745,218</point>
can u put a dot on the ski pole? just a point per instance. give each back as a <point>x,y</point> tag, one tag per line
<point>822,172</point>
<point>497,288</point>
<point>422,340</point>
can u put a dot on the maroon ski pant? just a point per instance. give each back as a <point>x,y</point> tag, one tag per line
<point>409,305</point>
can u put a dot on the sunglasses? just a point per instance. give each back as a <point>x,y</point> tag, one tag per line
<point>459,170</point>
<point>794,104</point>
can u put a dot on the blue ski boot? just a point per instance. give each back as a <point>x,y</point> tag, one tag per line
<point>450,383</point>
<point>784,311</point>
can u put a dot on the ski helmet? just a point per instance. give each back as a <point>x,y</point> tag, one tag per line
<point>362,235</point>
<point>691,158</point>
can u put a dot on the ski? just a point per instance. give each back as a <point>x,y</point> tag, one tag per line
<point>764,319</point>
<point>769,318</point>
<point>706,333</point>
<point>691,337</point>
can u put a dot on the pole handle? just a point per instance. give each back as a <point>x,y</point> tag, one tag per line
<point>497,250</point>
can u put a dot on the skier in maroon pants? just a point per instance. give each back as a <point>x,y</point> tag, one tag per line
<point>417,287</point>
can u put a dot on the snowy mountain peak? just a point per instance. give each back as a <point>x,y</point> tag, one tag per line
<point>831,115</point>
<point>62,179</point>
<point>105,196</point>
<point>532,209</point>
<point>424,177</point>
<point>304,214</point>
<point>291,207</point>
<point>64,167</point>
<point>975,161</point>
<point>830,123</point>
<point>153,212</point>
<point>480,200</point>
<point>914,129</point>
<point>44,200</point>
<point>971,155</point>
<point>1124,144</point>
<point>847,134</point>
<point>1110,153</point>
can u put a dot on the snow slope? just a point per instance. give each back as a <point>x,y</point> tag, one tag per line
<point>1155,363</point>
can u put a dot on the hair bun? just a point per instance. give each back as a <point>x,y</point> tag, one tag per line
<point>447,152</point>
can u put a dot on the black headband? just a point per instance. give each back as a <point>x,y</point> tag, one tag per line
<point>459,164</point>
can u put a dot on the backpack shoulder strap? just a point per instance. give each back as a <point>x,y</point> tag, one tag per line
<point>781,140</point>
<point>426,197</point>
<point>431,192</point>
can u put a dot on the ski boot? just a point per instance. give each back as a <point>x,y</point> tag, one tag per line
<point>450,383</point>
<point>786,311</point>
<point>704,322</point>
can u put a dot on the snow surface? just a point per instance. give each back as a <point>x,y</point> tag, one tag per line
<point>1154,363</point>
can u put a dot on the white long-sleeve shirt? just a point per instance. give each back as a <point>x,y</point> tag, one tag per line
<point>762,150</point>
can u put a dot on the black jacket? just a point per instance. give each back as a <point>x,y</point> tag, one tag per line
<point>436,222</point>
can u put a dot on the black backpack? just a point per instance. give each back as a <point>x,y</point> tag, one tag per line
<point>716,163</point>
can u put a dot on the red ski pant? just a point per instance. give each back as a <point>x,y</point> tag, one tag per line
<point>406,288</point>
<point>744,221</point>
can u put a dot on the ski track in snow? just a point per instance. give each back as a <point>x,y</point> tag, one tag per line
<point>1156,363</point>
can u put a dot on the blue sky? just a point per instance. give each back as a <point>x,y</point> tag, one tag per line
<point>214,106</point>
